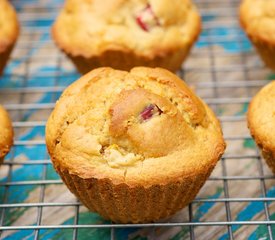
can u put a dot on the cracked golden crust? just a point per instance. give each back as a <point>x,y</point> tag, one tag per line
<point>6,133</point>
<point>85,137</point>
<point>261,119</point>
<point>92,32</point>
<point>9,30</point>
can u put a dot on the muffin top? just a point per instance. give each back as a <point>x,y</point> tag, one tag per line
<point>139,127</point>
<point>258,18</point>
<point>261,118</point>
<point>147,27</point>
<point>6,132</point>
<point>9,27</point>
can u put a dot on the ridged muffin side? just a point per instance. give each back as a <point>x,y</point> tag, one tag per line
<point>125,204</point>
<point>6,133</point>
<point>258,21</point>
<point>9,31</point>
<point>133,146</point>
<point>124,34</point>
<point>261,122</point>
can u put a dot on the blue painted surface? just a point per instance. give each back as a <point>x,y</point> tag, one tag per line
<point>205,207</point>
<point>221,37</point>
<point>249,212</point>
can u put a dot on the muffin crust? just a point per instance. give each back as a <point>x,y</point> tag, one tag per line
<point>257,18</point>
<point>130,33</point>
<point>6,133</point>
<point>9,30</point>
<point>142,132</point>
<point>100,112</point>
<point>261,122</point>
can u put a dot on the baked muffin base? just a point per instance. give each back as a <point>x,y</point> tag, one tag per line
<point>267,154</point>
<point>115,44</point>
<point>124,204</point>
<point>270,160</point>
<point>266,51</point>
<point>260,120</point>
<point>4,57</point>
<point>1,160</point>
<point>264,45</point>
<point>142,189</point>
<point>127,60</point>
<point>6,134</point>
<point>9,32</point>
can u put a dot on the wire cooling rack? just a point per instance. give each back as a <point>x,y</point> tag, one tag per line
<point>237,201</point>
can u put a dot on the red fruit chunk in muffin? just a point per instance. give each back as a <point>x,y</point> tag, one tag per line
<point>147,19</point>
<point>149,111</point>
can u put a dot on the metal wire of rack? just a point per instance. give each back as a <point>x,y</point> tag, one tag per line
<point>237,201</point>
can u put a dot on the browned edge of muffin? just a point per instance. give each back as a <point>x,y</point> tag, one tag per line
<point>124,204</point>
<point>4,57</point>
<point>127,60</point>
<point>266,50</point>
<point>267,153</point>
<point>134,200</point>
<point>123,59</point>
<point>6,142</point>
<point>7,47</point>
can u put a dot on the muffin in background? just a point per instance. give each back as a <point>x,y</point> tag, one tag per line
<point>133,146</point>
<point>9,30</point>
<point>6,134</point>
<point>257,18</point>
<point>127,33</point>
<point>261,122</point>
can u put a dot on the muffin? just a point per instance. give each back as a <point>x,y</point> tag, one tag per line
<point>133,146</point>
<point>127,33</point>
<point>261,122</point>
<point>9,30</point>
<point>257,17</point>
<point>6,134</point>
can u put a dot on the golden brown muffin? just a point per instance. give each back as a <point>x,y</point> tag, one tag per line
<point>261,122</point>
<point>127,33</point>
<point>257,17</point>
<point>6,133</point>
<point>9,30</point>
<point>133,146</point>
